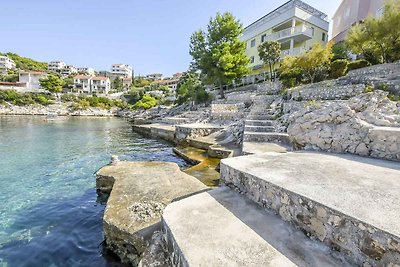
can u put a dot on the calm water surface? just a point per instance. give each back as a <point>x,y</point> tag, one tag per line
<point>48,210</point>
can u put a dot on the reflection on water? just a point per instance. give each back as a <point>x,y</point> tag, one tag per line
<point>48,212</point>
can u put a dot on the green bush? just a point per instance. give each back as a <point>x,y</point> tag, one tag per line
<point>82,104</point>
<point>358,64</point>
<point>146,102</point>
<point>202,96</point>
<point>69,98</point>
<point>291,78</point>
<point>338,68</point>
<point>24,99</point>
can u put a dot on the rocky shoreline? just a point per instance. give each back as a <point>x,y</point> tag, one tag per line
<point>58,109</point>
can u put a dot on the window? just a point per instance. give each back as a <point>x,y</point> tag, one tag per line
<point>252,60</point>
<point>263,38</point>
<point>253,43</point>
<point>312,31</point>
<point>323,36</point>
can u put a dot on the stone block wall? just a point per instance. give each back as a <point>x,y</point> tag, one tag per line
<point>323,91</point>
<point>360,243</point>
<point>227,111</point>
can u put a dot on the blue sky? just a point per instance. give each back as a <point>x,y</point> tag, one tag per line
<point>152,35</point>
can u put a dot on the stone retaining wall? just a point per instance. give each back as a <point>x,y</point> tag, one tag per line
<point>323,91</point>
<point>361,243</point>
<point>366,125</point>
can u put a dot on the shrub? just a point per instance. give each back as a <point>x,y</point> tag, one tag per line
<point>202,96</point>
<point>146,102</point>
<point>82,104</point>
<point>68,98</point>
<point>291,77</point>
<point>338,68</point>
<point>358,64</point>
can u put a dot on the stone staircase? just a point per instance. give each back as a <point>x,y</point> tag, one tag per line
<point>291,209</point>
<point>260,125</point>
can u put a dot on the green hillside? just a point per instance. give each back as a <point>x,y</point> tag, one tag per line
<point>25,63</point>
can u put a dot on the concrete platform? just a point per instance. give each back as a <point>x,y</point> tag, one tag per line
<point>350,202</point>
<point>223,228</point>
<point>139,193</point>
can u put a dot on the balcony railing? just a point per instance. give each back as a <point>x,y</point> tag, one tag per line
<point>293,52</point>
<point>289,32</point>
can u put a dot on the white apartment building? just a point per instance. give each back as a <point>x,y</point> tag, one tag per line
<point>87,71</point>
<point>296,25</point>
<point>101,85</point>
<point>68,70</point>
<point>154,77</point>
<point>57,66</point>
<point>6,63</point>
<point>121,70</point>
<point>32,79</point>
<point>92,85</point>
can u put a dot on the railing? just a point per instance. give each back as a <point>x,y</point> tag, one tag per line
<point>293,52</point>
<point>290,31</point>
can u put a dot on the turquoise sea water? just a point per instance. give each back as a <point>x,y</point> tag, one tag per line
<point>49,215</point>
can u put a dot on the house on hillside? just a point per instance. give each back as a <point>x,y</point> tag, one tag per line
<point>32,79</point>
<point>351,12</point>
<point>56,66</point>
<point>296,25</point>
<point>92,85</point>
<point>86,71</point>
<point>68,70</point>
<point>101,85</point>
<point>126,83</point>
<point>6,63</point>
<point>154,77</point>
<point>121,70</point>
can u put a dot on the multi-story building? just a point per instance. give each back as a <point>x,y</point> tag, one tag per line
<point>126,83</point>
<point>296,25</point>
<point>91,84</point>
<point>87,71</point>
<point>68,70</point>
<point>6,63</point>
<point>101,85</point>
<point>57,66</point>
<point>32,79</point>
<point>351,12</point>
<point>122,70</point>
<point>154,77</point>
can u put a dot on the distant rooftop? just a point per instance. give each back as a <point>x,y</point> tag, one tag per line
<point>290,4</point>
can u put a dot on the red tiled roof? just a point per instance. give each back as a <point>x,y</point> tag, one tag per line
<point>100,78</point>
<point>127,79</point>
<point>82,77</point>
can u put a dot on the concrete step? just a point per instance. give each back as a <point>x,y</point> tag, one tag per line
<point>250,148</point>
<point>260,117</point>
<point>348,202</point>
<point>260,122</point>
<point>236,232</point>
<point>266,137</point>
<point>262,129</point>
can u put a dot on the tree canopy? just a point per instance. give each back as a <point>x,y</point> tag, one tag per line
<point>117,84</point>
<point>218,53</point>
<point>378,39</point>
<point>52,83</point>
<point>270,53</point>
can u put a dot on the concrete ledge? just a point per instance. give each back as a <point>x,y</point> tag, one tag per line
<point>223,228</point>
<point>348,202</point>
<point>140,191</point>
<point>162,131</point>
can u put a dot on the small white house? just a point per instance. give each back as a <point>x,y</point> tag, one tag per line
<point>32,79</point>
<point>56,66</point>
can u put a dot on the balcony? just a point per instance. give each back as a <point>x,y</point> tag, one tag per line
<point>299,33</point>
<point>293,52</point>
